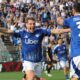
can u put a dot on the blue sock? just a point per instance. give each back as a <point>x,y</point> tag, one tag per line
<point>67,77</point>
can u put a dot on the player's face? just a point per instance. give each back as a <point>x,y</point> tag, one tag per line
<point>30,25</point>
<point>60,20</point>
<point>60,41</point>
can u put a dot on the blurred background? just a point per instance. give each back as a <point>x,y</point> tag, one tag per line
<point>12,16</point>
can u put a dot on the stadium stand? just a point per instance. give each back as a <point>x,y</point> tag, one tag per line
<point>4,54</point>
<point>7,50</point>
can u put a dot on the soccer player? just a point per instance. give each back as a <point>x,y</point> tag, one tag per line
<point>61,52</point>
<point>48,56</point>
<point>31,39</point>
<point>74,24</point>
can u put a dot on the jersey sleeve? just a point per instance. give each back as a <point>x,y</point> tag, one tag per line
<point>17,33</point>
<point>66,23</point>
<point>46,32</point>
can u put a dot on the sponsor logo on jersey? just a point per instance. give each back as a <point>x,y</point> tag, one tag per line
<point>29,41</point>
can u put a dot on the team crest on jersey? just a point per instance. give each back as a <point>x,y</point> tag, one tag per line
<point>37,35</point>
<point>58,49</point>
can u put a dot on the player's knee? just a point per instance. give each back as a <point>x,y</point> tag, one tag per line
<point>30,75</point>
<point>42,79</point>
<point>23,78</point>
<point>30,78</point>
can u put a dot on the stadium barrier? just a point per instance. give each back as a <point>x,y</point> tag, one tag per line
<point>11,66</point>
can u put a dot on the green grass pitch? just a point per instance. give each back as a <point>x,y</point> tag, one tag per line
<point>57,75</point>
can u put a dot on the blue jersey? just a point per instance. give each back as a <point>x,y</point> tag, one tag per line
<point>61,52</point>
<point>74,24</point>
<point>32,43</point>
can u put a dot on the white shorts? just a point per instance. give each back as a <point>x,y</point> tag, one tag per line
<point>64,64</point>
<point>36,67</point>
<point>75,67</point>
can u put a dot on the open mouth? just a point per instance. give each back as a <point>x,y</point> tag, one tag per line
<point>32,29</point>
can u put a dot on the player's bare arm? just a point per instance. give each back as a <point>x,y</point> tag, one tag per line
<point>59,31</point>
<point>6,31</point>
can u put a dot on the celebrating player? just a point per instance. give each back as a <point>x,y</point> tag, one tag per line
<point>74,24</point>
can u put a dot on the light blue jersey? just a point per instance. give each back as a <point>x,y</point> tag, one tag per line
<point>74,24</point>
<point>32,43</point>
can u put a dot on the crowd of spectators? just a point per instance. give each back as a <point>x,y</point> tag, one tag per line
<point>13,14</point>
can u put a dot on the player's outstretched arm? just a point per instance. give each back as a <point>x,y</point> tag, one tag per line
<point>59,31</point>
<point>60,22</point>
<point>6,31</point>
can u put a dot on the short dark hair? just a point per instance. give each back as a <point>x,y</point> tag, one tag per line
<point>59,38</point>
<point>29,18</point>
<point>76,6</point>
